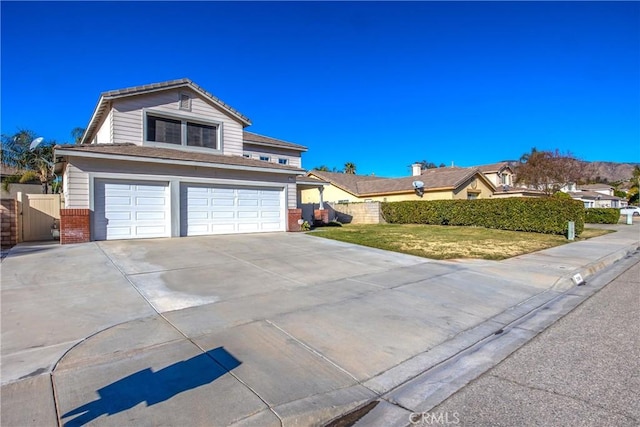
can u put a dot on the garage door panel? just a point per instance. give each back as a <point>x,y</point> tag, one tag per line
<point>223,202</point>
<point>150,216</point>
<point>252,203</point>
<point>248,215</point>
<point>150,201</point>
<point>112,201</point>
<point>224,210</point>
<point>223,215</point>
<point>270,215</point>
<point>130,209</point>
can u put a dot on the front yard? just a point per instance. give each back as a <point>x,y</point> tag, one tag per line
<point>448,242</point>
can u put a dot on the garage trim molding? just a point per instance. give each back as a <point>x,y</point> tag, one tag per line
<point>62,152</point>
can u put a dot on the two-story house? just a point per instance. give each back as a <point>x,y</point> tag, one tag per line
<point>170,159</point>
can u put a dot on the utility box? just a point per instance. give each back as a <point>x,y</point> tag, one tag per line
<point>571,232</point>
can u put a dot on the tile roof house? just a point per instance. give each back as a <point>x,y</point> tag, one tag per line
<point>433,184</point>
<point>170,159</point>
<point>500,174</point>
<point>597,196</point>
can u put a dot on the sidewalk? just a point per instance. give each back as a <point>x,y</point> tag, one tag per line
<point>583,370</point>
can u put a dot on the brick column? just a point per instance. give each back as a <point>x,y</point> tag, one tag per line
<point>321,215</point>
<point>75,226</point>
<point>9,222</point>
<point>293,216</point>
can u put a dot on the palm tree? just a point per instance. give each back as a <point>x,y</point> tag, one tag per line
<point>350,168</point>
<point>77,134</point>
<point>34,164</point>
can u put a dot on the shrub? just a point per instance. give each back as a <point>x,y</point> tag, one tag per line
<point>601,215</point>
<point>561,195</point>
<point>548,215</point>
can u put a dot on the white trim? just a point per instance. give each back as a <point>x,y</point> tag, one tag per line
<point>181,179</point>
<point>63,152</point>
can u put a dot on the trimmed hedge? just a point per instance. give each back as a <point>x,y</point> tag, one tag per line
<point>601,215</point>
<point>548,215</point>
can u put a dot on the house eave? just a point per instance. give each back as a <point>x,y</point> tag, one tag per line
<point>73,153</point>
<point>264,144</point>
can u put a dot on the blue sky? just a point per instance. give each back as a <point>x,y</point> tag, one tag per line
<point>374,83</point>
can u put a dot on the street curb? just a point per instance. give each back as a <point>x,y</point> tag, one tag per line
<point>566,282</point>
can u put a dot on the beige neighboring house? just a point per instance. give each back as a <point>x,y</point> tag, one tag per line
<point>500,174</point>
<point>597,196</point>
<point>430,184</point>
<point>170,159</point>
<point>15,188</point>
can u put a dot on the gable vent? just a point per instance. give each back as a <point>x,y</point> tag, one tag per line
<point>185,101</point>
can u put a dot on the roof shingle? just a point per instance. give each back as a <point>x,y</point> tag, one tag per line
<point>254,138</point>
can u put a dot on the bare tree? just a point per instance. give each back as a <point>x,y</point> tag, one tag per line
<point>548,171</point>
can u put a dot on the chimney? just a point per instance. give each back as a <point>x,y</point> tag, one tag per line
<point>416,169</point>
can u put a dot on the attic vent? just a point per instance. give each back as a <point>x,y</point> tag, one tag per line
<point>185,102</point>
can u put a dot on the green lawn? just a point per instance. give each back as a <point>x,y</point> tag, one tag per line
<point>447,242</point>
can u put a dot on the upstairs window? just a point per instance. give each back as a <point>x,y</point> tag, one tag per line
<point>283,161</point>
<point>182,132</point>
<point>164,130</point>
<point>201,135</point>
<point>264,158</point>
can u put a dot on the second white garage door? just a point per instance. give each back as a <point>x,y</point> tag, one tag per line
<point>209,209</point>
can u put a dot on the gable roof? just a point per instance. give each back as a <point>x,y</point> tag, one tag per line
<point>255,139</point>
<point>494,167</point>
<point>172,156</point>
<point>595,187</point>
<point>105,98</point>
<point>433,179</point>
<point>592,195</point>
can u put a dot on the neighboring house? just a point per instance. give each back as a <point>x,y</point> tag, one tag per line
<point>500,174</point>
<point>597,196</point>
<point>434,184</point>
<point>605,189</point>
<point>170,159</point>
<point>13,188</point>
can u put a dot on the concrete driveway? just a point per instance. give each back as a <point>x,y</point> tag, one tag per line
<point>269,329</point>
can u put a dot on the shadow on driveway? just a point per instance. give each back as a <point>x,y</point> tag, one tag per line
<point>155,387</point>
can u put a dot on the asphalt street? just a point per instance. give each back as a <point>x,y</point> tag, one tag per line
<point>582,371</point>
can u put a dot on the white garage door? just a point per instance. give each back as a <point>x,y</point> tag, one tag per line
<point>130,210</point>
<point>222,210</point>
